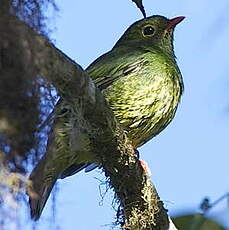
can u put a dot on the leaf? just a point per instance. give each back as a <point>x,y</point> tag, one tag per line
<point>196,222</point>
<point>140,6</point>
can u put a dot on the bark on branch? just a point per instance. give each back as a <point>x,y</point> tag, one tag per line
<point>91,118</point>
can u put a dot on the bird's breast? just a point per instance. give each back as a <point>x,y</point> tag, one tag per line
<point>144,103</point>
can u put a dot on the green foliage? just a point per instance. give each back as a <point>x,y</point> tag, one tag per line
<point>196,222</point>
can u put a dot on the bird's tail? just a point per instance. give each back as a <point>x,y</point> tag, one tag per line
<point>40,189</point>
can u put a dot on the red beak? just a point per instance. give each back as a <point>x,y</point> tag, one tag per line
<point>173,22</point>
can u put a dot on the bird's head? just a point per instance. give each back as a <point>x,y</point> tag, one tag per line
<point>154,31</point>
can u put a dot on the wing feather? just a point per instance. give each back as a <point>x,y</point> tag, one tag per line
<point>108,68</point>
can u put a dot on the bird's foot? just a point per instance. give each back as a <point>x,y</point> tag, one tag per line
<point>137,152</point>
<point>145,167</point>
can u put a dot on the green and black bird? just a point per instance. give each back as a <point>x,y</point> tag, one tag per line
<point>143,85</point>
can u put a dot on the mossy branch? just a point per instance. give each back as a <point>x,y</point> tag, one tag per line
<point>90,116</point>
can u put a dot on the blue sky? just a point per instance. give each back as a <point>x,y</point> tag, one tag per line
<point>188,160</point>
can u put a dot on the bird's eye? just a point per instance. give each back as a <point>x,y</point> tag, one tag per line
<point>148,31</point>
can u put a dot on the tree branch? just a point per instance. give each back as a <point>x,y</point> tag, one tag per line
<point>140,6</point>
<point>89,118</point>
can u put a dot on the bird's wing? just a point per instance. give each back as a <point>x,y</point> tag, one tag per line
<point>75,168</point>
<point>113,65</point>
